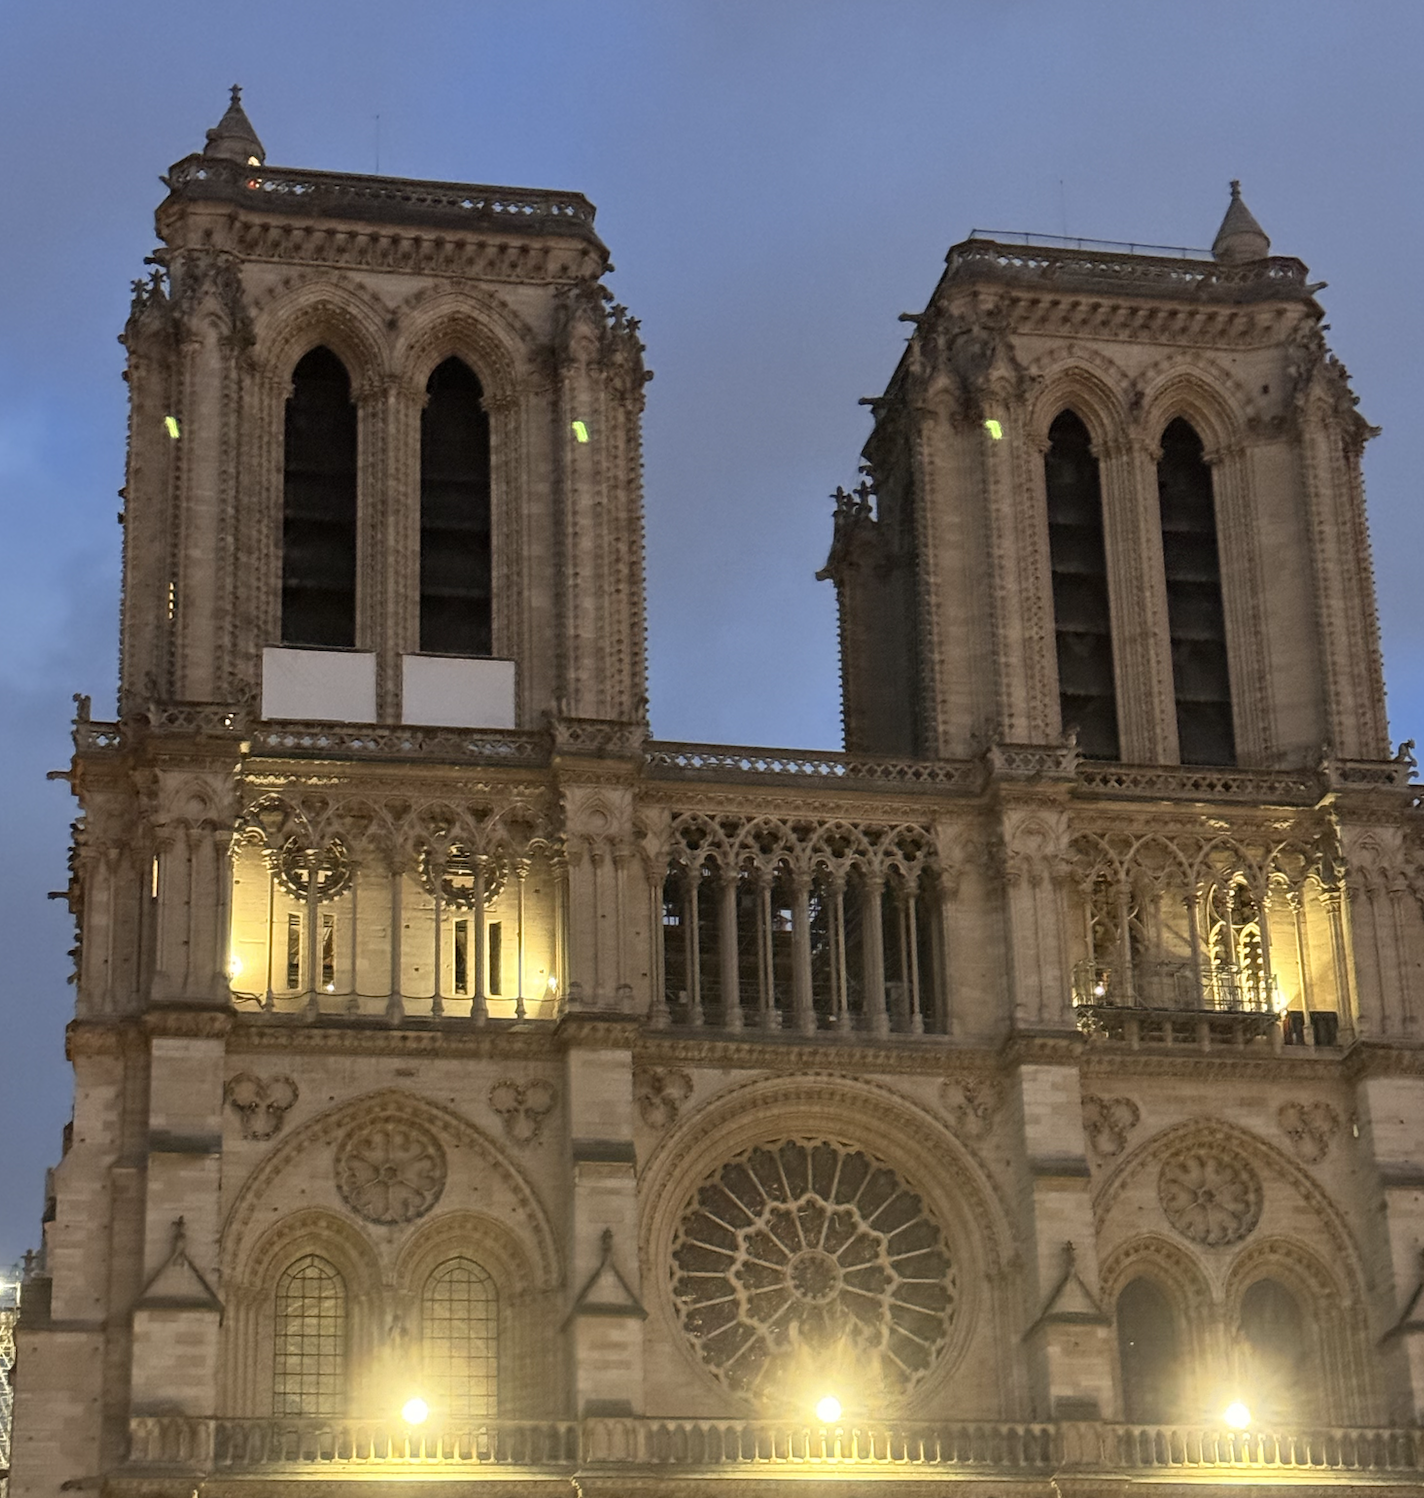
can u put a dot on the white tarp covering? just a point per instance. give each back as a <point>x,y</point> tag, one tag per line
<point>325,686</point>
<point>443,691</point>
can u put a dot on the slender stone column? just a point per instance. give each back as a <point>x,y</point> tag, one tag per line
<point>802,998</point>
<point>727,949</point>
<point>395,1007</point>
<point>873,936</point>
<point>1137,589</point>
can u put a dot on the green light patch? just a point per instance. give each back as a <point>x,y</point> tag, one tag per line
<point>171,425</point>
<point>580,432</point>
<point>994,429</point>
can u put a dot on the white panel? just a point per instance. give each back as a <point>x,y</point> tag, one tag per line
<point>449,691</point>
<point>326,686</point>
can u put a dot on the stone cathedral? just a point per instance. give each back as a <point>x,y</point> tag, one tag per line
<point>472,1088</point>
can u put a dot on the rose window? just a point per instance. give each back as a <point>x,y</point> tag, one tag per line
<point>390,1170</point>
<point>807,1253</point>
<point>456,871</point>
<point>296,866</point>
<point>1209,1196</point>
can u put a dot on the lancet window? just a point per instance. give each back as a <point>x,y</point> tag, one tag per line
<point>1276,1354</point>
<point>319,505</point>
<point>1082,620</point>
<point>1195,616</point>
<point>310,1340</point>
<point>1149,1354</point>
<point>801,927</point>
<point>455,612</point>
<point>460,1340</point>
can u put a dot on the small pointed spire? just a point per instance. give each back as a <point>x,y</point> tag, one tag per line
<point>234,138</point>
<point>1240,236</point>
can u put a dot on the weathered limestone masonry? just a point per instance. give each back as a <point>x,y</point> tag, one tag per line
<point>469,1087</point>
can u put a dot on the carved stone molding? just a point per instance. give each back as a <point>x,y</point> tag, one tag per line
<point>261,1103</point>
<point>1107,1121</point>
<point>1211,1196</point>
<point>523,1106</point>
<point>1310,1127</point>
<point>390,1170</point>
<point>972,1103</point>
<point>660,1093</point>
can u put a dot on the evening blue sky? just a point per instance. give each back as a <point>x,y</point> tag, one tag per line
<point>777,181</point>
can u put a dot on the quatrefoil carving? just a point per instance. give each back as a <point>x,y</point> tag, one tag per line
<point>523,1107</point>
<point>261,1102</point>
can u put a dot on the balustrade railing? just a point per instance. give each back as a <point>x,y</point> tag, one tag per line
<point>675,761</point>
<point>1174,782</point>
<point>342,195</point>
<point>1019,1449</point>
<point>237,1445</point>
<point>667,760</point>
<point>721,1443</point>
<point>1209,280</point>
<point>1200,1448</point>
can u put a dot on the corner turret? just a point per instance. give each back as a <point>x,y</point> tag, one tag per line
<point>1240,236</point>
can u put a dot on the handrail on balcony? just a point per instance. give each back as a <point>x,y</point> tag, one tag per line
<point>1173,987</point>
<point>357,1448</point>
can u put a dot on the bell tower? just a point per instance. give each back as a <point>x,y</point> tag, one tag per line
<point>1119,496</point>
<point>384,452</point>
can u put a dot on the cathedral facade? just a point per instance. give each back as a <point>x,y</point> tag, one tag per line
<point>470,1087</point>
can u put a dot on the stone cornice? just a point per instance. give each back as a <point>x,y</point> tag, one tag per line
<point>921,1055</point>
<point>1382,1058</point>
<point>597,1032</point>
<point>255,1034</point>
<point>84,1038</point>
<point>189,1021</point>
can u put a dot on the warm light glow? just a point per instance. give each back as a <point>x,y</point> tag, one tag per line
<point>414,1411</point>
<point>1098,990</point>
<point>331,988</point>
<point>171,423</point>
<point>553,985</point>
<point>580,431</point>
<point>994,429</point>
<point>828,1410</point>
<point>234,966</point>
<point>1236,1415</point>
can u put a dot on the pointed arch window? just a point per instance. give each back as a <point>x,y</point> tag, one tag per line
<point>460,1340</point>
<point>455,611</point>
<point>309,1372</point>
<point>1195,615</point>
<point>1276,1344</point>
<point>1082,621</point>
<point>319,505</point>
<point>1148,1354</point>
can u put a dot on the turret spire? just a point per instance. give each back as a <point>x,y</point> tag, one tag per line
<point>1240,236</point>
<point>234,138</point>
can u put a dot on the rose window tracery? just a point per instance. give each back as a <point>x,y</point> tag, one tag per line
<point>457,871</point>
<point>1210,1196</point>
<point>805,1252</point>
<point>296,865</point>
<point>390,1170</point>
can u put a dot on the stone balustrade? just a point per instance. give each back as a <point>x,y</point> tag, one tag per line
<point>1019,1450</point>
